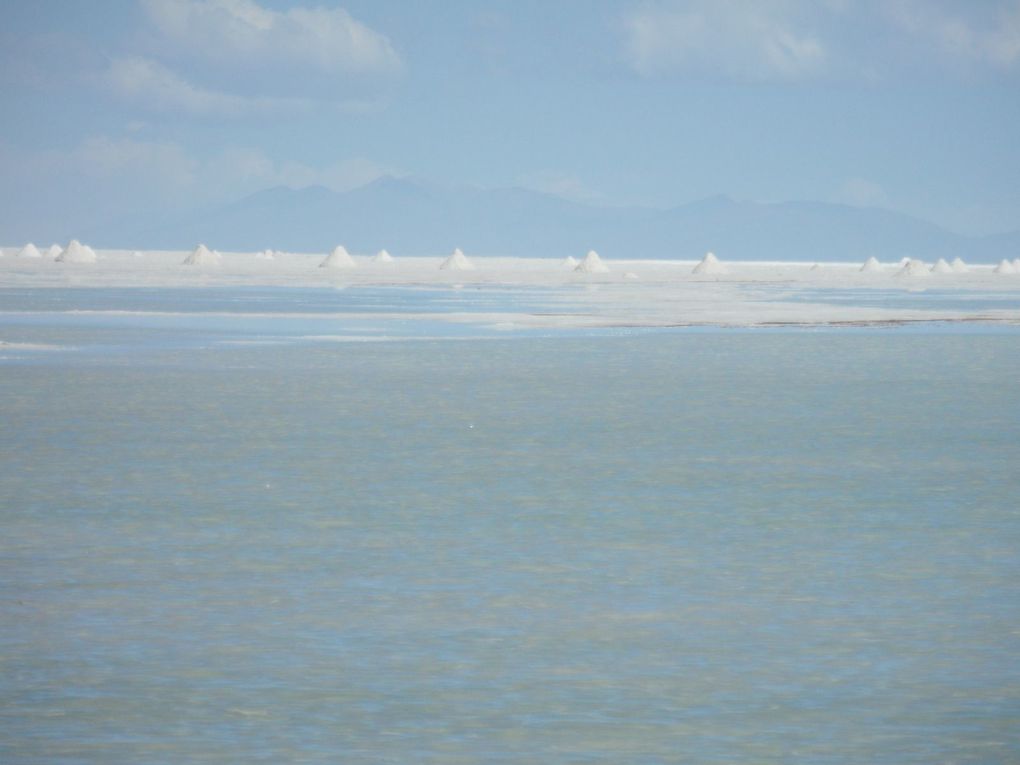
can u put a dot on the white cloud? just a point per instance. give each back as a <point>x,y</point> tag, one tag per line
<point>990,38</point>
<point>735,39</point>
<point>153,85</point>
<point>235,58</point>
<point>241,35</point>
<point>797,40</point>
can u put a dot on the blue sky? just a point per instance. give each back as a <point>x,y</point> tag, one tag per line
<point>143,107</point>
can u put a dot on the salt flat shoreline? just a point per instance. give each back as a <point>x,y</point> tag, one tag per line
<point>633,293</point>
<point>124,268</point>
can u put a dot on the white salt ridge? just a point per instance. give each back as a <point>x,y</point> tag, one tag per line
<point>339,258</point>
<point>569,263</point>
<point>709,265</point>
<point>914,267</point>
<point>382,257</point>
<point>76,252</point>
<point>941,267</point>
<point>1005,267</point>
<point>202,256</point>
<point>871,266</point>
<point>457,262</point>
<point>592,264</point>
<point>29,251</point>
<point>1016,264</point>
<point>959,266</point>
<point>53,251</point>
<point>666,295</point>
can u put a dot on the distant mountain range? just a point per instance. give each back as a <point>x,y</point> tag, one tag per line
<point>410,217</point>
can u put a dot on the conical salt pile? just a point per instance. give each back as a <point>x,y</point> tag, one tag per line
<point>202,256</point>
<point>1004,267</point>
<point>75,252</point>
<point>914,267</point>
<point>569,263</point>
<point>265,255</point>
<point>592,264</point>
<point>871,266</point>
<point>457,262</point>
<point>941,267</point>
<point>29,251</point>
<point>959,266</point>
<point>339,258</point>
<point>1016,264</point>
<point>382,257</point>
<point>53,252</point>
<point>709,265</point>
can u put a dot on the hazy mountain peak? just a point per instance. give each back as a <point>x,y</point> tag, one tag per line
<point>411,216</point>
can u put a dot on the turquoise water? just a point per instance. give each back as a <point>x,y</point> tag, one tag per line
<point>707,547</point>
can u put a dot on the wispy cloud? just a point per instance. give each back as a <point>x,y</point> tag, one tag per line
<point>242,33</point>
<point>736,39</point>
<point>236,58</point>
<point>153,85</point>
<point>990,36</point>
<point>801,40</point>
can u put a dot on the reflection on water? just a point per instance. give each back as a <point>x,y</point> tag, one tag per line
<point>234,299</point>
<point>914,297</point>
<point>118,320</point>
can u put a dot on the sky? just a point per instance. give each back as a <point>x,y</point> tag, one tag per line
<point>140,108</point>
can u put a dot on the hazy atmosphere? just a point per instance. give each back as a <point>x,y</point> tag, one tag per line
<point>519,382</point>
<point>124,117</point>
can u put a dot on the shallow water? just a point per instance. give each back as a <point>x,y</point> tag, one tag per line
<point>274,300</point>
<point>703,547</point>
<point>117,320</point>
<point>914,297</point>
